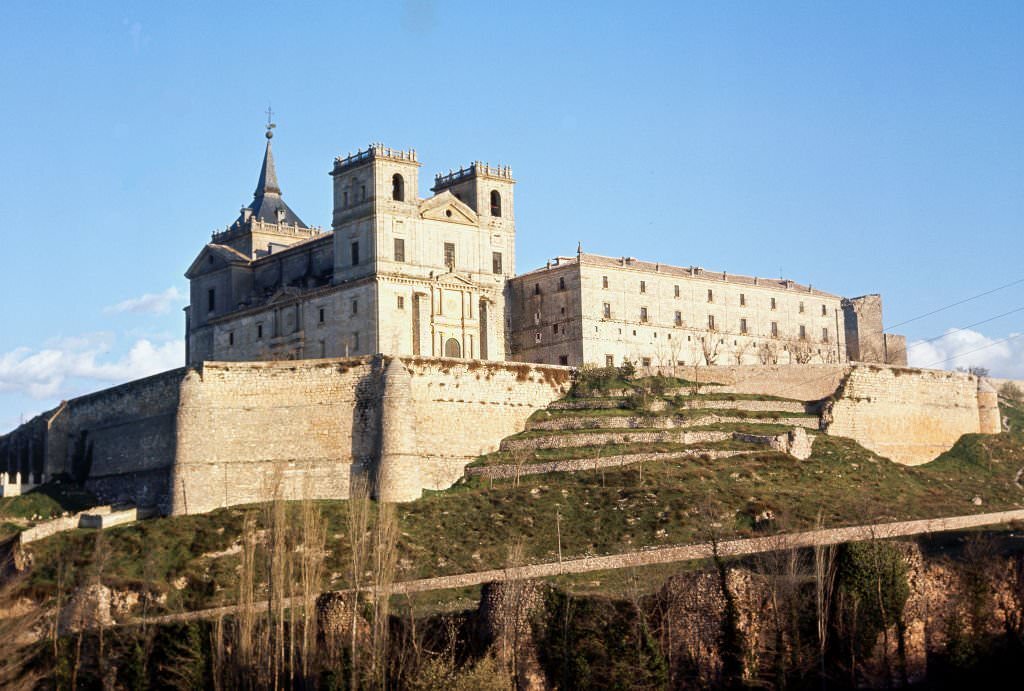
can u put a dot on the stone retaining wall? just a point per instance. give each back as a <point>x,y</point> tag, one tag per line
<point>563,441</point>
<point>580,464</point>
<point>566,422</point>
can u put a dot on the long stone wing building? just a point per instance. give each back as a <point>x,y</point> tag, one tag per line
<point>401,275</point>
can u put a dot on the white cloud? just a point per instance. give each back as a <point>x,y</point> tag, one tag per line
<point>150,303</point>
<point>74,365</point>
<point>1003,357</point>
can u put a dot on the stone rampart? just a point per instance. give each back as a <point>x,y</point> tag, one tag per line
<point>316,421</point>
<point>907,415</point>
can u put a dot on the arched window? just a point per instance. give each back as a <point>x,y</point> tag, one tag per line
<point>495,203</point>
<point>397,188</point>
<point>452,348</point>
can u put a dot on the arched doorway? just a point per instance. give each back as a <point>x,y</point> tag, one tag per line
<point>452,348</point>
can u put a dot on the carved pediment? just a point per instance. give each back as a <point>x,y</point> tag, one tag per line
<point>448,208</point>
<point>213,257</point>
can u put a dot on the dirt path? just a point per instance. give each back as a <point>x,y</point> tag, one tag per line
<point>661,555</point>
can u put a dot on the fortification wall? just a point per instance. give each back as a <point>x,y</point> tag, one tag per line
<point>464,408</point>
<point>120,441</point>
<point>242,423</point>
<point>908,415</point>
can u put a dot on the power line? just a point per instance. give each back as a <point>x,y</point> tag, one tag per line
<point>964,328</point>
<point>989,345</point>
<point>955,304</point>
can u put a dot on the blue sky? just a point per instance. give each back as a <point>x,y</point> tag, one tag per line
<point>861,147</point>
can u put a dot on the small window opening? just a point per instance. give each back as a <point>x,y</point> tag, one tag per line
<point>561,283</point>
<point>604,281</point>
<point>449,255</point>
<point>643,286</point>
<point>607,310</point>
<point>643,314</point>
<point>397,188</point>
<point>321,315</point>
<point>399,249</point>
<point>743,300</point>
<point>355,254</point>
<point>401,302</point>
<point>495,203</point>
<point>211,299</point>
<point>496,262</point>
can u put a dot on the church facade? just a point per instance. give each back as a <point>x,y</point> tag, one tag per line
<point>435,277</point>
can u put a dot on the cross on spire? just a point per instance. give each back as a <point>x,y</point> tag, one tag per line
<point>270,122</point>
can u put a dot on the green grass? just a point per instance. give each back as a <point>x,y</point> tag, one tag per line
<point>42,503</point>
<point>473,525</point>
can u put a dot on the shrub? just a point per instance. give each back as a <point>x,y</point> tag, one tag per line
<point>1012,393</point>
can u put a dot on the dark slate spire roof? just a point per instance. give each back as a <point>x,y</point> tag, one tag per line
<point>267,204</point>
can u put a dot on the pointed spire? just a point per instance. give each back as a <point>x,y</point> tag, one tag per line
<point>268,175</point>
<point>267,205</point>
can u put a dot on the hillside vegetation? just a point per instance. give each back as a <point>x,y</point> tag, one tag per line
<point>192,562</point>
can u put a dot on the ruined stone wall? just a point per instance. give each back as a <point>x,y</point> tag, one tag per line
<point>908,415</point>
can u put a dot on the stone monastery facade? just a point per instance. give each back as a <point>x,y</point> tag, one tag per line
<point>436,277</point>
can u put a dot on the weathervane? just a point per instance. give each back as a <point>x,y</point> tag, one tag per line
<point>270,123</point>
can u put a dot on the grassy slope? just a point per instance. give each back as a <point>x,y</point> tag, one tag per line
<point>472,525</point>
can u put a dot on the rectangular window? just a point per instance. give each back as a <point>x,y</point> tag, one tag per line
<point>604,281</point>
<point>646,362</point>
<point>743,300</point>
<point>711,322</point>
<point>824,335</point>
<point>561,283</point>
<point>211,300</point>
<point>677,291</point>
<point>563,359</point>
<point>355,254</point>
<point>743,326</point>
<point>679,318</point>
<point>711,296</point>
<point>607,310</point>
<point>401,302</point>
<point>449,255</point>
<point>554,328</point>
<point>801,308</point>
<point>536,288</point>
<point>775,329</point>
<point>259,331</point>
<point>355,341</point>
<point>643,314</point>
<point>803,332</point>
<point>643,286</point>
<point>321,315</point>
<point>231,338</point>
<point>355,307</point>
<point>773,303</point>
<point>495,262</point>
<point>609,361</point>
<point>824,311</point>
<point>399,249</point>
